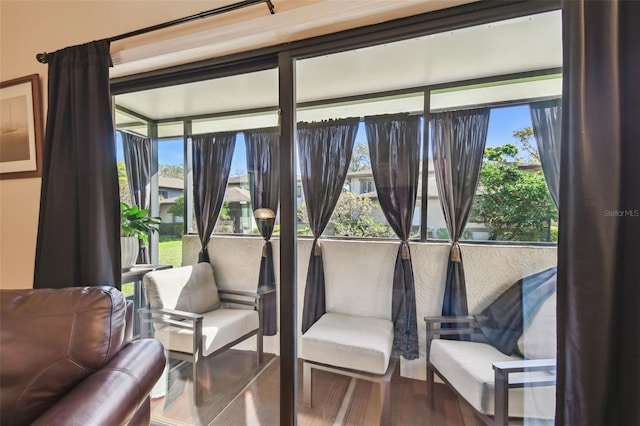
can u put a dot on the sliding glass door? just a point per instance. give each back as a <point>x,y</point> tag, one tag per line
<point>360,178</point>
<point>215,143</point>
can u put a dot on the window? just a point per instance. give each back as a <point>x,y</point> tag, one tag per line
<point>126,123</point>
<point>512,201</point>
<point>357,213</point>
<point>171,196</point>
<point>236,215</point>
<point>355,92</point>
<point>367,185</point>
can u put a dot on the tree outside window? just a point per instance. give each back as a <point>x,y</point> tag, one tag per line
<point>513,200</point>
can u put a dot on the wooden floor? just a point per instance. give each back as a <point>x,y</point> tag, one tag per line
<point>238,392</point>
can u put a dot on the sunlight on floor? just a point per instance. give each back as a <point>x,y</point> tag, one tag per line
<point>251,416</point>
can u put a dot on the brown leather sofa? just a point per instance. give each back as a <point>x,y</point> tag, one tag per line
<point>67,358</point>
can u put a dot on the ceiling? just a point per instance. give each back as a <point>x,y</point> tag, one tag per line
<point>515,45</point>
<point>253,27</point>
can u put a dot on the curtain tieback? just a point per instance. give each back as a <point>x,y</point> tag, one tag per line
<point>455,252</point>
<point>317,251</point>
<point>204,255</point>
<point>406,254</point>
<point>264,250</point>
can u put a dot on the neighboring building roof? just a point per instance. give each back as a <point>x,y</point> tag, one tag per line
<point>237,195</point>
<point>534,167</point>
<point>232,194</point>
<point>235,180</point>
<point>369,172</point>
<point>432,190</point>
<point>167,182</point>
<point>239,179</point>
<point>359,173</point>
<point>522,166</point>
<point>372,195</point>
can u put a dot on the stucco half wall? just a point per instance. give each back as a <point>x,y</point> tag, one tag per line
<point>359,275</point>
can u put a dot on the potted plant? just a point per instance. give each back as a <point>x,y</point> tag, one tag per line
<point>135,225</point>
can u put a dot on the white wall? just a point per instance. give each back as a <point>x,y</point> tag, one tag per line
<point>359,275</point>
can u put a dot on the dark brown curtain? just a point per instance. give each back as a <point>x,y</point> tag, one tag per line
<point>325,152</point>
<point>263,167</point>
<point>79,230</point>
<point>458,139</point>
<point>546,118</point>
<point>598,249</point>
<point>137,161</point>
<point>212,154</point>
<point>394,146</point>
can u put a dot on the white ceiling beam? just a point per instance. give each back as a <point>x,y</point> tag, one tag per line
<point>253,28</point>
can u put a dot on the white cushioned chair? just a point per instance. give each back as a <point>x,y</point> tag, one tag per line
<point>496,385</point>
<point>194,319</point>
<point>351,345</point>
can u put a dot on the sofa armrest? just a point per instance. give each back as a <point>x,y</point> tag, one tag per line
<point>258,293</point>
<point>525,365</point>
<point>504,382</point>
<point>439,331</point>
<point>179,319</point>
<point>434,327</point>
<point>181,315</point>
<point>247,298</point>
<point>114,394</point>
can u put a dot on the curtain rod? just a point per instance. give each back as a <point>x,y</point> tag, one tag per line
<point>42,57</point>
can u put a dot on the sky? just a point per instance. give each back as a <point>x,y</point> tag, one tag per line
<point>502,123</point>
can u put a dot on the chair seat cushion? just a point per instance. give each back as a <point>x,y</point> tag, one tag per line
<point>468,367</point>
<point>348,341</point>
<point>219,328</point>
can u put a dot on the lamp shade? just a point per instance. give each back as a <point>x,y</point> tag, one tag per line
<point>264,214</point>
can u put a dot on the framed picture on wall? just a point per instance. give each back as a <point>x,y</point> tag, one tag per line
<point>20,128</point>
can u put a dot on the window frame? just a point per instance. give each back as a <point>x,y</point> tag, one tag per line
<point>438,21</point>
<point>467,84</point>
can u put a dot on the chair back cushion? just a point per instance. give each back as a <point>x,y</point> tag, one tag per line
<point>51,340</point>
<point>538,341</point>
<point>503,321</point>
<point>189,288</point>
